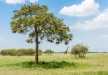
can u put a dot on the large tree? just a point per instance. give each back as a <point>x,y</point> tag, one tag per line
<point>39,24</point>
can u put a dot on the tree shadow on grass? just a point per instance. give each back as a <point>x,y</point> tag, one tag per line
<point>45,65</point>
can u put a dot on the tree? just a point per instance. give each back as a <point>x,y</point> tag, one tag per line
<point>39,24</point>
<point>79,50</point>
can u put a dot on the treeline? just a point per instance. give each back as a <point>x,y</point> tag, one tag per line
<point>23,52</point>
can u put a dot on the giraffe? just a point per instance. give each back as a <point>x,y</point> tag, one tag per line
<point>66,51</point>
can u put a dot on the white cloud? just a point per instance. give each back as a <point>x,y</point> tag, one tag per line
<point>19,1</point>
<point>98,22</point>
<point>86,8</point>
<point>33,1</point>
<point>14,1</point>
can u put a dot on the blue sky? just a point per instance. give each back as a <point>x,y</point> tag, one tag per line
<point>87,19</point>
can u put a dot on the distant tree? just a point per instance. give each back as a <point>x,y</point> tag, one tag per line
<point>79,50</point>
<point>49,51</point>
<point>22,52</point>
<point>38,23</point>
<point>19,52</point>
<point>11,52</point>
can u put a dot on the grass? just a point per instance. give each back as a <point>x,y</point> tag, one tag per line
<point>55,64</point>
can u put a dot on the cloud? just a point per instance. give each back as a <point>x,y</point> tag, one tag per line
<point>85,8</point>
<point>14,1</point>
<point>19,1</point>
<point>33,1</point>
<point>98,22</point>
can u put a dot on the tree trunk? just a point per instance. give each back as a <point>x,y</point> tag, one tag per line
<point>36,46</point>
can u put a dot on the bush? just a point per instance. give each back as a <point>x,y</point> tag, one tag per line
<point>11,52</point>
<point>48,51</point>
<point>79,50</point>
<point>19,52</point>
<point>40,52</point>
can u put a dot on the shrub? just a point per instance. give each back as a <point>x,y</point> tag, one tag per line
<point>48,51</point>
<point>19,52</point>
<point>40,52</point>
<point>11,52</point>
<point>79,50</point>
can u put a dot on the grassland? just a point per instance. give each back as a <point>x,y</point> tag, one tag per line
<point>55,64</point>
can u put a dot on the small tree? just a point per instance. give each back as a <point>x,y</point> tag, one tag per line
<point>38,23</point>
<point>79,50</point>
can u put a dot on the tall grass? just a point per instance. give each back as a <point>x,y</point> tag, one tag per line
<point>55,64</point>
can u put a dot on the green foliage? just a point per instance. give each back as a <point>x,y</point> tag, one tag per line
<point>11,52</point>
<point>79,50</point>
<point>49,51</point>
<point>44,65</point>
<point>21,52</point>
<point>18,52</point>
<point>37,17</point>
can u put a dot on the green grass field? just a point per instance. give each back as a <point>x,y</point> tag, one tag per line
<point>55,64</point>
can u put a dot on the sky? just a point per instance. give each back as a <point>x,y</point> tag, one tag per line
<point>87,19</point>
